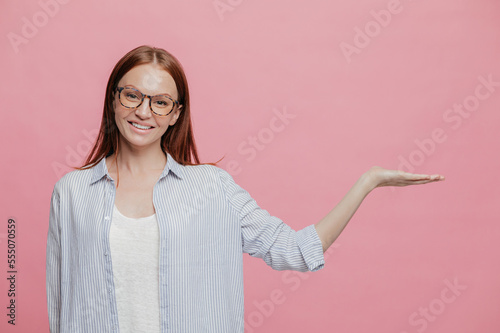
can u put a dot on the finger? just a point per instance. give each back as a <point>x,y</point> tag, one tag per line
<point>423,181</point>
<point>414,176</point>
<point>436,177</point>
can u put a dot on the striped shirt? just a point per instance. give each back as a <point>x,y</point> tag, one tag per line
<point>206,222</point>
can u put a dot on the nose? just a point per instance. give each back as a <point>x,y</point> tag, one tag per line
<point>143,110</point>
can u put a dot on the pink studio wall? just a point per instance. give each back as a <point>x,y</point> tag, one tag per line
<point>301,98</point>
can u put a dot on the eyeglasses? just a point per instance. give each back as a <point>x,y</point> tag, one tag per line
<point>161,105</point>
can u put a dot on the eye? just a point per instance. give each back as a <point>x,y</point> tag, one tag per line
<point>131,95</point>
<point>162,102</point>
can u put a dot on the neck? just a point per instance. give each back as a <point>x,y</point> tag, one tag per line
<point>135,161</point>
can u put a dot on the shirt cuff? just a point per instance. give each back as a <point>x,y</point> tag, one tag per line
<point>311,248</point>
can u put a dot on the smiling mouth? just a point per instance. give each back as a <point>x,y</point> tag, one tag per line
<point>140,126</point>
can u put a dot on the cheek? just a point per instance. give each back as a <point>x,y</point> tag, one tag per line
<point>120,112</point>
<point>117,117</point>
<point>119,120</point>
<point>164,125</point>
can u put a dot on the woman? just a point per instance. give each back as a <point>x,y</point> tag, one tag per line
<point>144,238</point>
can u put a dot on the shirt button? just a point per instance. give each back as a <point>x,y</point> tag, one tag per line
<point>105,253</point>
<point>106,218</point>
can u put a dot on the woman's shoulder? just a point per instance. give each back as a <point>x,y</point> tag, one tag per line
<point>207,173</point>
<point>76,178</point>
<point>202,170</point>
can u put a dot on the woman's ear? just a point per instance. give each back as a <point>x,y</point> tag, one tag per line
<point>176,115</point>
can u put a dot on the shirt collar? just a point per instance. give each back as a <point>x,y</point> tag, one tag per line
<point>100,170</point>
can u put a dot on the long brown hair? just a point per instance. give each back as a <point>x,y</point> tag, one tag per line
<point>178,140</point>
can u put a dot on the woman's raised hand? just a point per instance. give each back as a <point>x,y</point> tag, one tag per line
<point>379,177</point>
<point>330,227</point>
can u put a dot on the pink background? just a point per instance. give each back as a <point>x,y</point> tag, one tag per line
<point>385,100</point>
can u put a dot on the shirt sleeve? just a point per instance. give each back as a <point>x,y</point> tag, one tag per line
<point>53,264</point>
<point>267,237</point>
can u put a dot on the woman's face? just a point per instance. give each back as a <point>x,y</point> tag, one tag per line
<point>149,80</point>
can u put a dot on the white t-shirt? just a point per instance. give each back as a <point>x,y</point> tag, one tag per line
<point>134,246</point>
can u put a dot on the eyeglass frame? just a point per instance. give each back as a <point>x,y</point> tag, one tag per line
<point>120,89</point>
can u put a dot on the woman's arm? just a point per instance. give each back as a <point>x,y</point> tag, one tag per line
<point>330,227</point>
<point>53,264</point>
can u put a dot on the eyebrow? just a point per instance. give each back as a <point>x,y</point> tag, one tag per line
<point>132,86</point>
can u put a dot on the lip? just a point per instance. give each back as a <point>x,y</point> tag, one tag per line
<point>138,130</point>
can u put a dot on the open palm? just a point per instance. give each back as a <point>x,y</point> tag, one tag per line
<point>385,177</point>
